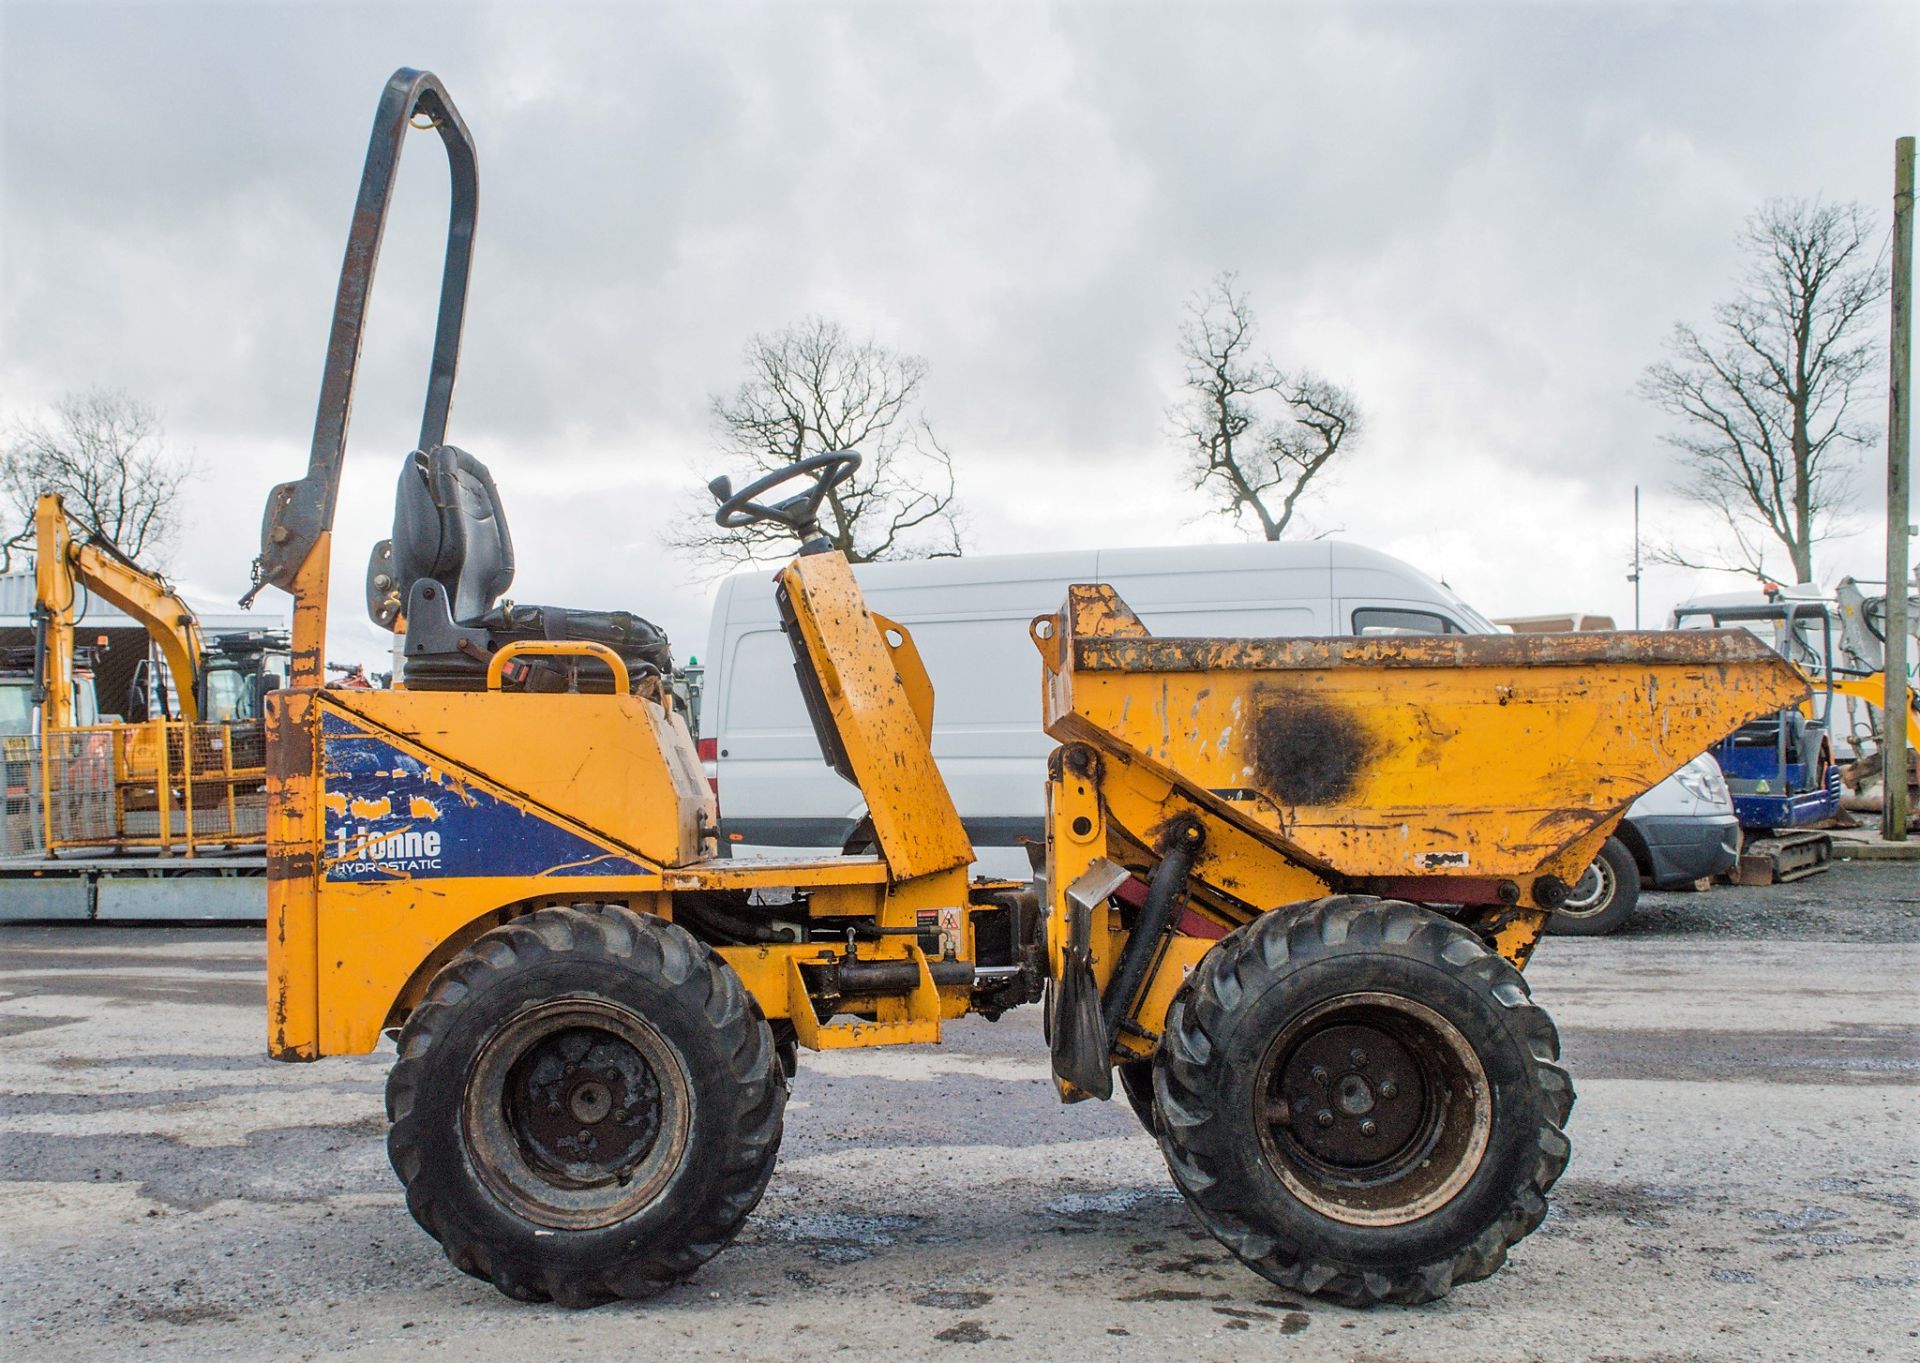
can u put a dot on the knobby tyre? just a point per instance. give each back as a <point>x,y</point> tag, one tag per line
<point>1360,1099</point>
<point>586,1105</point>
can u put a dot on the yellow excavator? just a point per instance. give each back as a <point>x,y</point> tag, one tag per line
<point>215,681</point>
<point>1286,896</point>
<point>195,749</point>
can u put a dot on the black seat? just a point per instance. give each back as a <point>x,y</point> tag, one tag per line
<point>452,558</point>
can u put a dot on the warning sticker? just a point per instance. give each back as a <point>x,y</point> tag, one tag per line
<point>945,922</point>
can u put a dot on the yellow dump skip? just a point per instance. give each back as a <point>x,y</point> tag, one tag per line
<point>1456,755</point>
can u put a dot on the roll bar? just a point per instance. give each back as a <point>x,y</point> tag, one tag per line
<point>295,532</point>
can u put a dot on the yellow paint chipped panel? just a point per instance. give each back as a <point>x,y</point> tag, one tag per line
<point>881,705</point>
<point>616,765</point>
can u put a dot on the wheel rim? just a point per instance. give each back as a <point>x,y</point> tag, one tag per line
<point>1593,892</point>
<point>1372,1109</point>
<point>576,1113</point>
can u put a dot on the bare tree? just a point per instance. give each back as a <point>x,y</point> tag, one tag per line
<point>105,452</point>
<point>812,389</point>
<point>1766,400</point>
<point>1256,435</point>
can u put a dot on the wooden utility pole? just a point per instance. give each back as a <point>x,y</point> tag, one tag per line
<point>1634,576</point>
<point>1893,729</point>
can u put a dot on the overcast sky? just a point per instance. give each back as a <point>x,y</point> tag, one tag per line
<point>1483,219</point>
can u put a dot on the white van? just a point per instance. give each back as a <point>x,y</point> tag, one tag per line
<point>969,619</point>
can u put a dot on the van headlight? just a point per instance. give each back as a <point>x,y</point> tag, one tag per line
<point>1703,781</point>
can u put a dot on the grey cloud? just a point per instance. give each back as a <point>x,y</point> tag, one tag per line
<point>1483,219</point>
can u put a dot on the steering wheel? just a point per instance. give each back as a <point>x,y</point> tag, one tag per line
<point>800,513</point>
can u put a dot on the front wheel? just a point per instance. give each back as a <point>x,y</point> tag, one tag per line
<point>1604,898</point>
<point>1359,1099</point>
<point>587,1104</point>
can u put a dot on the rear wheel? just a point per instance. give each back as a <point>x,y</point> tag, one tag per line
<point>587,1104</point>
<point>1604,898</point>
<point>1359,1099</point>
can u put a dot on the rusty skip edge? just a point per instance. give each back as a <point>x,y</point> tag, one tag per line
<point>1684,648</point>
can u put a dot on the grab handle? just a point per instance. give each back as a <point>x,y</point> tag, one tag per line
<point>497,667</point>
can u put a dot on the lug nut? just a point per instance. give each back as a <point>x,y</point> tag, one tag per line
<point>1388,1088</point>
<point>620,1117</point>
<point>1320,1075</point>
<point>1323,1117</point>
<point>570,1069</point>
<point>1357,1058</point>
<point>1368,1128</point>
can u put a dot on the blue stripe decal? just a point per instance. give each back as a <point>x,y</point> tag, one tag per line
<point>391,815</point>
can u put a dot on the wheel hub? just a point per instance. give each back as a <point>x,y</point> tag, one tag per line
<point>584,1104</point>
<point>591,1102</point>
<point>577,1113</point>
<point>1354,1095</point>
<point>1593,892</point>
<point>1373,1108</point>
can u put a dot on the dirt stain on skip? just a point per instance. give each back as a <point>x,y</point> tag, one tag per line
<point>1306,751</point>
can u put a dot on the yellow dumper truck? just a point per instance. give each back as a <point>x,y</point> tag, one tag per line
<point>1287,890</point>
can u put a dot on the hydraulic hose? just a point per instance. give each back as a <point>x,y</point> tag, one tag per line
<point>1156,917</point>
<point>724,924</point>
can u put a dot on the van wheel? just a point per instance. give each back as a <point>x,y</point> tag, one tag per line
<point>586,1106</point>
<point>1359,1099</point>
<point>1605,896</point>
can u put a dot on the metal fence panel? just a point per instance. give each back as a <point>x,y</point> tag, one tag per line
<point>166,787</point>
<point>22,827</point>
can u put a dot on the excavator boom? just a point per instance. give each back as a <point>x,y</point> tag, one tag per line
<point>63,565</point>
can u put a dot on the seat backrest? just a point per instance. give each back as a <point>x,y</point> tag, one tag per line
<point>448,525</point>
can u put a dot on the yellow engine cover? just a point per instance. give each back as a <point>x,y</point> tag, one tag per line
<point>619,767</point>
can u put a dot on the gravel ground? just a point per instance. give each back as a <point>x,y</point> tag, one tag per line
<point>1860,901</point>
<point>1744,1181</point>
